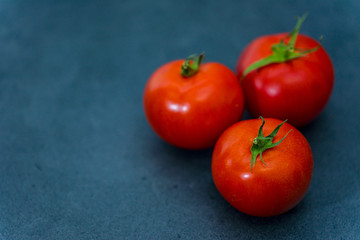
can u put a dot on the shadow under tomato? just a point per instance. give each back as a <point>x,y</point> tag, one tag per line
<point>171,163</point>
<point>332,137</point>
<point>277,227</point>
<point>177,159</point>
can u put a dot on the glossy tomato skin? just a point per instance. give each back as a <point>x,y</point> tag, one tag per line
<point>266,190</point>
<point>297,90</point>
<point>192,112</point>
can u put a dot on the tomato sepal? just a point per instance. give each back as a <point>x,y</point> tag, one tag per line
<point>191,65</point>
<point>262,143</point>
<point>282,52</point>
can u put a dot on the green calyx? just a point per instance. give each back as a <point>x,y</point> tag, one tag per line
<point>262,143</point>
<point>282,52</point>
<point>191,65</point>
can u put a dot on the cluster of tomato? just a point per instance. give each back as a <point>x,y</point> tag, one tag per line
<point>196,106</point>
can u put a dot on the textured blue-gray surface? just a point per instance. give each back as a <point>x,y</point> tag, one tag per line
<point>78,159</point>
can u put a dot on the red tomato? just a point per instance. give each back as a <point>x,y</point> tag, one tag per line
<point>191,112</point>
<point>297,89</point>
<point>259,189</point>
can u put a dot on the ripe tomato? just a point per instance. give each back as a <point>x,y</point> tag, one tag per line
<point>270,187</point>
<point>294,81</point>
<point>192,107</point>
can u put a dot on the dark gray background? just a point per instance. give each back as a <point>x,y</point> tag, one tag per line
<point>78,159</point>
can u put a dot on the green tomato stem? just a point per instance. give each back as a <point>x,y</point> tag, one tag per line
<point>262,143</point>
<point>191,65</point>
<point>282,52</point>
